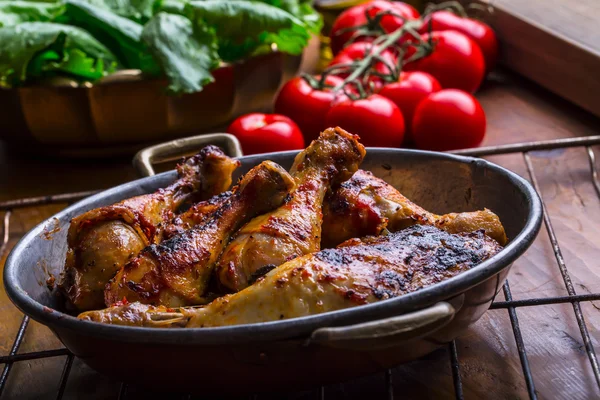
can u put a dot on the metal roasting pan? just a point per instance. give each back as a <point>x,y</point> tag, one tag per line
<point>295,353</point>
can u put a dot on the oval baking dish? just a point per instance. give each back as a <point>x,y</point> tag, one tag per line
<point>300,352</point>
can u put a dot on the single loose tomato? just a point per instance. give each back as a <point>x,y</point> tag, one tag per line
<point>408,92</point>
<point>377,120</point>
<point>305,105</point>
<point>455,61</point>
<point>478,31</point>
<point>341,31</point>
<point>448,120</point>
<point>264,133</point>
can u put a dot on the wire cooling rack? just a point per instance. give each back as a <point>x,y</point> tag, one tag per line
<point>508,304</point>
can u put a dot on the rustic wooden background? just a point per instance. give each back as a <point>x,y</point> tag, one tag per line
<point>555,43</point>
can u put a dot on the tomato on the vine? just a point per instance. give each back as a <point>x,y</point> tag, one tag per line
<point>478,31</point>
<point>448,120</point>
<point>455,60</point>
<point>408,92</point>
<point>342,32</point>
<point>305,105</point>
<point>264,133</point>
<point>376,119</point>
<point>358,51</point>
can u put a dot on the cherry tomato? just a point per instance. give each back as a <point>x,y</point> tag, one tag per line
<point>478,31</point>
<point>357,15</point>
<point>377,120</point>
<point>305,105</point>
<point>390,23</point>
<point>408,92</point>
<point>358,51</point>
<point>264,133</point>
<point>455,61</point>
<point>448,120</point>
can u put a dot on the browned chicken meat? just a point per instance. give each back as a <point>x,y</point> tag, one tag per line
<point>358,272</point>
<point>294,229</point>
<point>176,272</point>
<point>366,205</point>
<point>195,215</point>
<point>102,240</point>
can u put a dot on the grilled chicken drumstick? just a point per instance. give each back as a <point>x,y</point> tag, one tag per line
<point>365,205</point>
<point>359,271</point>
<point>195,215</point>
<point>176,271</point>
<point>102,240</point>
<point>294,229</point>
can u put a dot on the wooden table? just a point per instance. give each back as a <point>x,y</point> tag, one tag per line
<point>489,363</point>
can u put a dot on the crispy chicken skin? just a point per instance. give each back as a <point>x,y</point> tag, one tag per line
<point>359,271</point>
<point>366,205</point>
<point>294,229</point>
<point>195,215</point>
<point>176,272</point>
<point>102,240</point>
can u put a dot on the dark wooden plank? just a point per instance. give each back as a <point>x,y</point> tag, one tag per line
<point>555,43</point>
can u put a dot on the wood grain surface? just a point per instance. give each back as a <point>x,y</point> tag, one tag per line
<point>517,111</point>
<point>555,43</point>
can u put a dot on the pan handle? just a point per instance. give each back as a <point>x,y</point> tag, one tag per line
<point>175,149</point>
<point>387,332</point>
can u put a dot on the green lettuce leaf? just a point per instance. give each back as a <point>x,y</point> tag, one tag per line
<point>137,10</point>
<point>301,9</point>
<point>38,49</point>
<point>16,12</point>
<point>311,18</point>
<point>120,34</point>
<point>185,53</point>
<point>239,18</point>
<point>170,6</point>
<point>244,26</point>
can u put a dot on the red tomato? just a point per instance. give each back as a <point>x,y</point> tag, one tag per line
<point>455,61</point>
<point>391,23</point>
<point>408,92</point>
<point>448,120</point>
<point>377,120</point>
<point>357,15</point>
<point>264,133</point>
<point>357,51</point>
<point>305,105</point>
<point>478,31</point>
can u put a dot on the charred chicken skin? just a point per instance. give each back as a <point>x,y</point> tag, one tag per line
<point>294,229</point>
<point>102,240</point>
<point>176,271</point>
<point>359,271</point>
<point>366,205</point>
<point>195,215</point>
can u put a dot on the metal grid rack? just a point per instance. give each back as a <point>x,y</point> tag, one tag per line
<point>509,304</point>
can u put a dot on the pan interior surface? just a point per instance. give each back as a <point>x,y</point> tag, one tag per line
<point>438,182</point>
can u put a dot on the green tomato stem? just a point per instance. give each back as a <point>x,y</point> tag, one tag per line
<point>390,39</point>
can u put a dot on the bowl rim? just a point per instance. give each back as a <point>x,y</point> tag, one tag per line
<point>289,328</point>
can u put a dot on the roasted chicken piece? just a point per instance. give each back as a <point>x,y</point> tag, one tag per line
<point>102,240</point>
<point>366,205</point>
<point>176,271</point>
<point>359,271</point>
<point>294,229</point>
<point>195,215</point>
